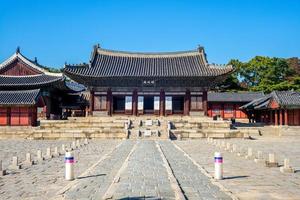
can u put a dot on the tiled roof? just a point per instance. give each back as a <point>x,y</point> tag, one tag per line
<point>76,87</point>
<point>285,99</point>
<point>28,62</point>
<point>108,63</point>
<point>30,81</point>
<point>20,97</point>
<point>233,96</point>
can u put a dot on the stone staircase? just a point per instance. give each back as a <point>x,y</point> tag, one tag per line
<point>150,128</point>
<point>201,127</point>
<point>85,127</point>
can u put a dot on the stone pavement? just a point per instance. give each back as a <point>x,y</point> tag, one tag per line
<point>245,178</point>
<point>128,169</point>
<point>43,180</point>
<point>149,169</point>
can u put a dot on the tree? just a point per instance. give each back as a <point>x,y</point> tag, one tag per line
<point>262,74</point>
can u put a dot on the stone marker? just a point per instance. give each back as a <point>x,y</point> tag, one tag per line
<point>28,161</point>
<point>272,161</point>
<point>179,137</point>
<point>228,146</point>
<point>250,153</point>
<point>259,158</point>
<point>39,156</point>
<point>15,163</point>
<point>286,167</point>
<point>240,151</point>
<point>56,153</point>
<point>2,171</point>
<point>48,153</point>
<point>234,148</point>
<point>223,144</point>
<point>63,148</point>
<point>86,141</point>
<point>73,145</point>
<point>77,143</point>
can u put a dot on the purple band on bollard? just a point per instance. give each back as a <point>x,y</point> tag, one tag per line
<point>69,159</point>
<point>218,159</point>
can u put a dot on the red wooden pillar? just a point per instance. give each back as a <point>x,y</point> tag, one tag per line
<point>222,110</point>
<point>109,102</point>
<point>162,102</point>
<point>187,102</point>
<point>91,102</point>
<point>286,121</point>
<point>234,111</point>
<point>134,103</point>
<point>271,117</point>
<point>276,117</point>
<point>281,117</point>
<point>204,99</point>
<point>8,116</point>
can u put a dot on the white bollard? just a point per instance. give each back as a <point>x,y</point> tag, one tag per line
<point>218,166</point>
<point>234,148</point>
<point>69,166</point>
<point>77,143</point>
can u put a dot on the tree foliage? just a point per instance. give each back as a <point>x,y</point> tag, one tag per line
<point>262,74</point>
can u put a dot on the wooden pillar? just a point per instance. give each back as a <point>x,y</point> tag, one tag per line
<point>162,102</point>
<point>91,102</point>
<point>48,107</point>
<point>271,117</point>
<point>234,110</point>
<point>286,121</point>
<point>109,102</point>
<point>276,117</point>
<point>8,114</point>
<point>187,102</point>
<point>135,103</point>
<point>222,110</point>
<point>281,117</point>
<point>204,102</point>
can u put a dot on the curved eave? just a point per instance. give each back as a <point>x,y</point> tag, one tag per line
<point>31,85</point>
<point>217,72</point>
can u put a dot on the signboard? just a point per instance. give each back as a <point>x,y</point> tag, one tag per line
<point>128,103</point>
<point>168,103</point>
<point>156,103</point>
<point>140,103</point>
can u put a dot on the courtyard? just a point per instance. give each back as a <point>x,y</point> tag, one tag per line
<point>151,169</point>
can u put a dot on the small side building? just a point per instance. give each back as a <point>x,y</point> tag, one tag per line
<point>276,108</point>
<point>227,104</point>
<point>29,91</point>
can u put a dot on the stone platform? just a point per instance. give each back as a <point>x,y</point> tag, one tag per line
<point>124,127</point>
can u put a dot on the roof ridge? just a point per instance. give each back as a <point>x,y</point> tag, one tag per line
<point>147,54</point>
<point>28,61</point>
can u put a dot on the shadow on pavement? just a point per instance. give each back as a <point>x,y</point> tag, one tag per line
<point>234,177</point>
<point>91,176</point>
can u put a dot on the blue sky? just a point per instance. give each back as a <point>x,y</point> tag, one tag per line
<point>59,31</point>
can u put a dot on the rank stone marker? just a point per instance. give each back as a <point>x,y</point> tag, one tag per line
<point>272,161</point>
<point>286,167</point>
<point>28,161</point>
<point>15,163</point>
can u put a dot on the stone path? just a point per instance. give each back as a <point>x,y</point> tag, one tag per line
<point>129,169</point>
<point>193,183</point>
<point>145,175</point>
